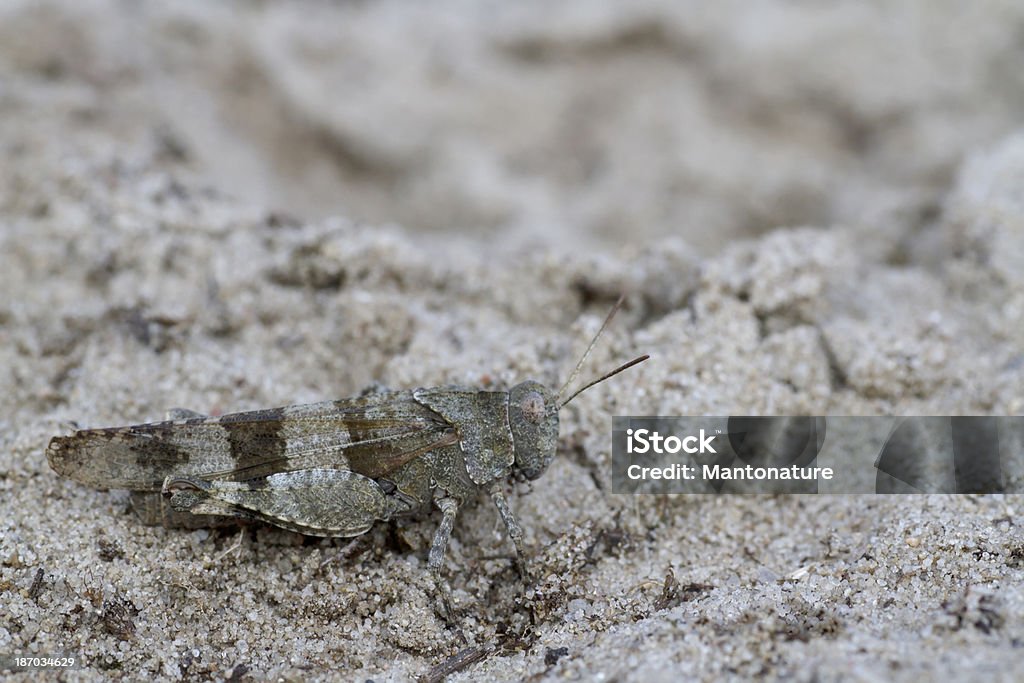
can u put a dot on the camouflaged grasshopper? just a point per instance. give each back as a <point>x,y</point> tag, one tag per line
<point>332,468</point>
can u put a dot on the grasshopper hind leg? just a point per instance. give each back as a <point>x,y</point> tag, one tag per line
<point>152,509</point>
<point>316,502</point>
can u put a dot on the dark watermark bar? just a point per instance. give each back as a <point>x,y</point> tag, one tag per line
<point>818,454</point>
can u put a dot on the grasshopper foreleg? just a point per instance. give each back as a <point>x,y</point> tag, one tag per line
<point>515,532</point>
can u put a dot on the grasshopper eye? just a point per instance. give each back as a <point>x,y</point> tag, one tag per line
<point>534,428</point>
<point>532,406</point>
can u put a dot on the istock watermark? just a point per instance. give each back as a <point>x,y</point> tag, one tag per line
<point>644,440</point>
<point>818,454</point>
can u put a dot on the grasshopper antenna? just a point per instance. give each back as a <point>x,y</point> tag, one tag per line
<point>627,366</point>
<point>583,359</point>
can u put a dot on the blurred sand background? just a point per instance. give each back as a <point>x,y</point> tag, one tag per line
<point>813,208</point>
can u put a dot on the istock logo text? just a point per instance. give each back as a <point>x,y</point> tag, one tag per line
<point>645,441</point>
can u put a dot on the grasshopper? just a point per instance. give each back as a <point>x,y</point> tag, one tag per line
<point>333,468</point>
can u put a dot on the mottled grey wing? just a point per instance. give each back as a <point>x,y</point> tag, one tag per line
<point>370,435</point>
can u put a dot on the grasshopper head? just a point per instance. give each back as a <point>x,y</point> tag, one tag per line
<point>533,412</point>
<point>533,418</point>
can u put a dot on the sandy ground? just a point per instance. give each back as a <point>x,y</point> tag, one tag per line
<point>812,208</point>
